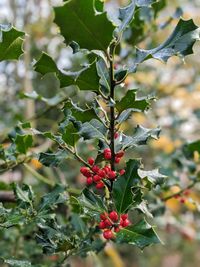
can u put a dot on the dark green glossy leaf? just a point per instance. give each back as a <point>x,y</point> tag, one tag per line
<point>53,159</point>
<point>23,142</point>
<point>23,194</point>
<point>70,135</point>
<point>140,137</point>
<point>93,129</point>
<point>131,101</point>
<point>190,148</point>
<point>153,176</point>
<point>10,44</point>
<point>17,263</point>
<point>141,235</point>
<point>103,72</point>
<point>86,79</point>
<point>122,188</point>
<point>179,43</point>
<point>91,202</point>
<point>83,115</point>
<point>77,22</point>
<point>56,196</point>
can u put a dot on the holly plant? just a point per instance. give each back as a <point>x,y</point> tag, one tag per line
<point>112,204</point>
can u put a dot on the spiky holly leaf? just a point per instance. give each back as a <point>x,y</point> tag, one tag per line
<point>179,43</point>
<point>141,235</point>
<point>93,129</point>
<point>77,22</point>
<point>23,142</point>
<point>91,202</point>
<point>140,137</point>
<point>17,263</point>
<point>122,188</point>
<point>11,42</point>
<point>130,101</point>
<point>86,79</point>
<point>53,159</point>
<point>154,177</point>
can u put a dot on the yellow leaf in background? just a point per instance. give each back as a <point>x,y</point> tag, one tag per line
<point>36,164</point>
<point>190,205</point>
<point>164,144</point>
<point>173,204</point>
<point>114,256</point>
<point>145,78</point>
<point>139,118</point>
<point>196,156</point>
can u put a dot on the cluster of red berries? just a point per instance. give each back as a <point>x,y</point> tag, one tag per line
<point>112,221</point>
<point>181,198</point>
<point>95,174</point>
<point>108,155</point>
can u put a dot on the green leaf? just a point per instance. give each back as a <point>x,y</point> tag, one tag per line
<point>53,159</point>
<point>140,137</point>
<point>179,43</point>
<point>10,44</point>
<point>52,237</point>
<point>72,110</point>
<point>122,188</point>
<point>23,194</point>
<point>145,2</point>
<point>23,142</point>
<point>56,196</point>
<point>17,263</point>
<point>103,72</point>
<point>140,235</point>
<point>153,176</point>
<point>86,79</point>
<point>70,135</point>
<point>126,15</point>
<point>77,22</point>
<point>93,129</point>
<point>91,202</point>
<point>190,148</point>
<point>131,101</point>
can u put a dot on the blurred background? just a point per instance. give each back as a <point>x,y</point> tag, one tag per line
<point>177,111</point>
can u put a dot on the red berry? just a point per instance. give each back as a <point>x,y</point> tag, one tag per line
<point>104,216</point>
<point>102,173</point>
<point>107,155</point>
<point>107,150</point>
<point>102,225</point>
<point>111,174</point>
<point>177,196</point>
<point>107,222</point>
<point>120,154</point>
<point>125,223</point>
<point>124,217</point>
<point>108,234</point>
<point>89,181</point>
<point>116,135</point>
<point>95,168</point>
<point>91,161</point>
<point>116,229</point>
<point>121,172</point>
<point>117,160</point>
<point>107,169</point>
<point>187,192</point>
<point>84,170</point>
<point>96,178</point>
<point>182,200</point>
<point>113,216</point>
<point>87,174</point>
<point>100,185</point>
